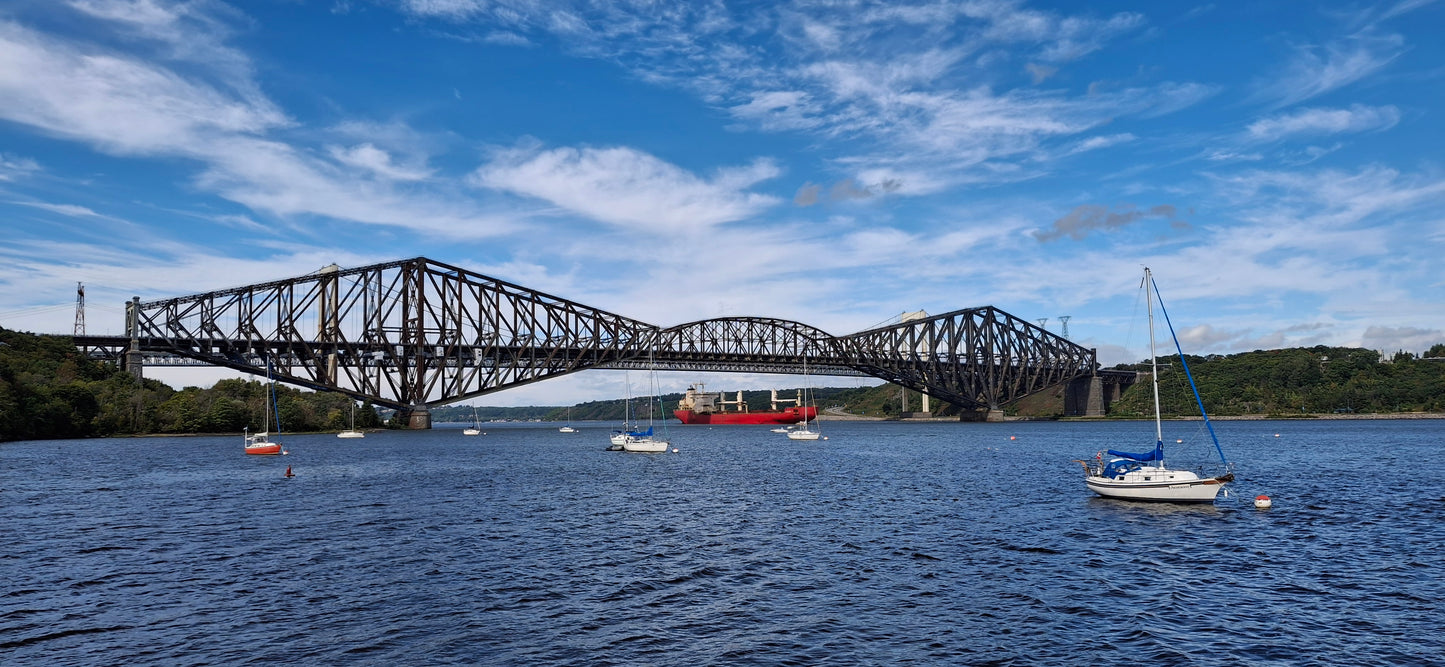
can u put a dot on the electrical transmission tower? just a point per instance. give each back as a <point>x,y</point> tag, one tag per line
<point>80,309</point>
<point>1044,323</point>
<point>1065,320</point>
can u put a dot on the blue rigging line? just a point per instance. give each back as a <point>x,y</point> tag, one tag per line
<point>1187,374</point>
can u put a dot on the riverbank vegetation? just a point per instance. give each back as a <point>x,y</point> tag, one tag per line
<point>48,389</point>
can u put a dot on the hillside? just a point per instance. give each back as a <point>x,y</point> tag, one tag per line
<point>1294,381</point>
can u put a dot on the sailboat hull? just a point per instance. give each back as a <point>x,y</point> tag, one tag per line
<point>1162,491</point>
<point>644,445</point>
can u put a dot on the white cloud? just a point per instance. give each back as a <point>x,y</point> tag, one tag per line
<point>370,158</point>
<point>119,104</point>
<point>1357,118</point>
<point>626,187</point>
<point>126,106</point>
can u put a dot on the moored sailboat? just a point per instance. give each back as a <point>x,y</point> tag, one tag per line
<point>352,432</point>
<point>803,431</point>
<point>476,428</point>
<point>260,444</point>
<point>1144,476</point>
<point>647,441</point>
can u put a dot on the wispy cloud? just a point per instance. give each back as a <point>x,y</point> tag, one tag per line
<point>372,159</point>
<point>626,187</point>
<point>14,166</point>
<point>1314,70</point>
<point>1357,118</point>
<point>906,83</point>
<point>70,210</point>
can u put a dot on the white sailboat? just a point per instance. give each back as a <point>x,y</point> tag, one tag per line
<point>646,441</point>
<point>476,428</point>
<point>352,432</point>
<point>628,430</point>
<point>1143,476</point>
<point>801,430</point>
<point>568,428</point>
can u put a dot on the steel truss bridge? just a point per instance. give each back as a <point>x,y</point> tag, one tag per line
<point>417,332</point>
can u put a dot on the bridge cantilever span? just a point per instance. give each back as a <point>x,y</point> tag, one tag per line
<point>417,332</point>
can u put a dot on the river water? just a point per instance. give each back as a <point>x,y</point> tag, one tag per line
<point>887,543</point>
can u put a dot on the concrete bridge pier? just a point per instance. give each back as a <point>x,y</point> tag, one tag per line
<point>1091,395</point>
<point>418,418</point>
<point>983,415</point>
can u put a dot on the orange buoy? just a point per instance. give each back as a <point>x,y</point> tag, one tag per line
<point>1010,437</point>
<point>288,472</point>
<point>1262,501</point>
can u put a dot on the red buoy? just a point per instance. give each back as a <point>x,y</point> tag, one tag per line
<point>288,472</point>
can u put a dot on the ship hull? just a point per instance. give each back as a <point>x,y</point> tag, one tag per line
<point>787,416</point>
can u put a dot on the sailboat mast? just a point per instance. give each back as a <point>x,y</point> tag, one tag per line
<point>1153,359</point>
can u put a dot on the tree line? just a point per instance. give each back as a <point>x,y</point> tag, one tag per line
<point>48,389</point>
<point>1293,381</point>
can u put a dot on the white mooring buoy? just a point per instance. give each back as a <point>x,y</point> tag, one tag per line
<point>1262,501</point>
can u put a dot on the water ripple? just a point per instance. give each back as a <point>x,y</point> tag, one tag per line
<point>886,544</point>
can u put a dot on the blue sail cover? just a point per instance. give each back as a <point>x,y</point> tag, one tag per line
<point>640,434</point>
<point>1156,455</point>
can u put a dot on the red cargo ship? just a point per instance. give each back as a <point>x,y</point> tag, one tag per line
<point>701,407</point>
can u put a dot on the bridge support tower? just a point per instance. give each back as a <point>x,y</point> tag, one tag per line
<point>134,361</point>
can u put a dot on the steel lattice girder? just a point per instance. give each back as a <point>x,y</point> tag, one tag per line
<point>977,358</point>
<point>416,332</point>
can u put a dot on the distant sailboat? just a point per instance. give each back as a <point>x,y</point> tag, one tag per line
<point>476,428</point>
<point>568,428</point>
<point>260,444</point>
<point>352,432</point>
<point>802,431</point>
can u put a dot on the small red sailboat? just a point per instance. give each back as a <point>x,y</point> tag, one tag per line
<point>261,442</point>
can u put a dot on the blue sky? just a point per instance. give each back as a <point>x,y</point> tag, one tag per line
<point>838,163</point>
